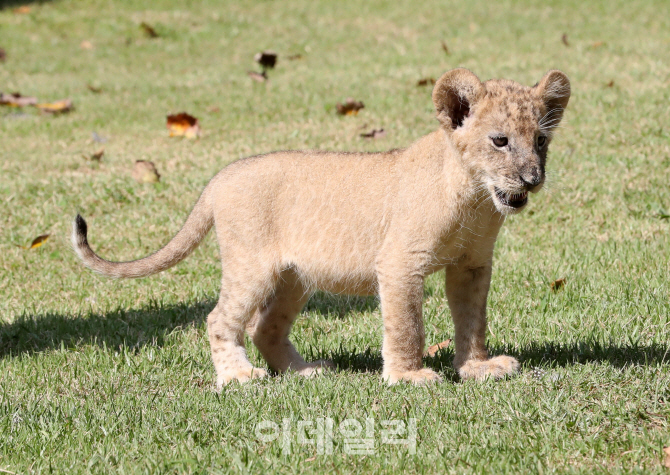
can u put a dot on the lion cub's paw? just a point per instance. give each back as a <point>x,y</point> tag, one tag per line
<point>418,377</point>
<point>241,375</point>
<point>314,368</point>
<point>497,368</point>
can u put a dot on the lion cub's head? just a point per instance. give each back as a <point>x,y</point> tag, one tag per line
<point>502,129</point>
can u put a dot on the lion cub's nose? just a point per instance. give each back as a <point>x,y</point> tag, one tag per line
<point>531,180</point>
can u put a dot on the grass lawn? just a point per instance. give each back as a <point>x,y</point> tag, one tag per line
<point>98,375</point>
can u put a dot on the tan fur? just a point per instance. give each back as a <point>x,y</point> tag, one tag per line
<point>288,223</point>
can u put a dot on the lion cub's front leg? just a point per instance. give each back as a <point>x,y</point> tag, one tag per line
<point>401,296</point>
<point>467,290</point>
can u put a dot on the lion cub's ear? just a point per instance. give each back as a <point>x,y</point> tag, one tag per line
<point>454,95</point>
<point>554,90</point>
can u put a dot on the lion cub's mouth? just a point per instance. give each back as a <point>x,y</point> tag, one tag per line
<point>513,200</point>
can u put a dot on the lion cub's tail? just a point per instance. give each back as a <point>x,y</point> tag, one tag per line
<point>187,239</point>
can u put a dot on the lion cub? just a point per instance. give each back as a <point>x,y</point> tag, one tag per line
<point>288,223</point>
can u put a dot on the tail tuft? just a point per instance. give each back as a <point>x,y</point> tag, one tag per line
<point>80,228</point>
<point>79,233</point>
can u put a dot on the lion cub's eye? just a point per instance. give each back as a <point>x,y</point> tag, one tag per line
<point>499,141</point>
<point>541,140</point>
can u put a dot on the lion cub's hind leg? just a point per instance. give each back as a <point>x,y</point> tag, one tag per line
<point>273,322</point>
<point>239,298</point>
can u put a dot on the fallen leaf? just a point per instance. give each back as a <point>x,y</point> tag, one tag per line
<point>597,44</point>
<point>445,47</point>
<point>57,107</point>
<point>267,59</point>
<point>557,284</point>
<point>86,45</point>
<point>22,10</point>
<point>293,57</point>
<point>432,350</point>
<point>37,242</point>
<point>183,124</point>
<point>16,100</point>
<point>148,30</point>
<point>425,82</point>
<point>260,77</point>
<point>610,84</point>
<point>214,109</point>
<point>311,459</point>
<point>374,134</point>
<point>3,55</point>
<point>92,88</point>
<point>350,107</point>
<point>145,172</point>
<point>95,156</point>
<point>666,452</point>
<point>564,39</point>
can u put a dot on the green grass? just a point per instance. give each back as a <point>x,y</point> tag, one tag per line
<point>99,375</point>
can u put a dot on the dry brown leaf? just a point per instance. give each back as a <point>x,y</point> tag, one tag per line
<point>293,57</point>
<point>213,109</point>
<point>86,45</point>
<point>57,107</point>
<point>3,55</point>
<point>445,48</point>
<point>564,39</point>
<point>16,100</point>
<point>22,10</point>
<point>92,88</point>
<point>95,156</point>
<point>597,44</point>
<point>425,82</point>
<point>432,350</point>
<point>149,30</point>
<point>311,459</point>
<point>557,284</point>
<point>374,134</point>
<point>610,84</point>
<point>37,242</point>
<point>350,107</point>
<point>183,125</point>
<point>666,460</point>
<point>260,77</point>
<point>267,59</point>
<point>145,172</point>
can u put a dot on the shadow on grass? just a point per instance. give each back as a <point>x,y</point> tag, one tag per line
<point>134,328</point>
<point>153,323</point>
<point>131,328</point>
<point>18,3</point>
<point>535,354</point>
<point>552,354</point>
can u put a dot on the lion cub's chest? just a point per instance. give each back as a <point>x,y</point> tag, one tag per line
<point>469,241</point>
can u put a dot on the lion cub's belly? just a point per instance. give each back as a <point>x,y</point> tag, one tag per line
<point>339,279</point>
